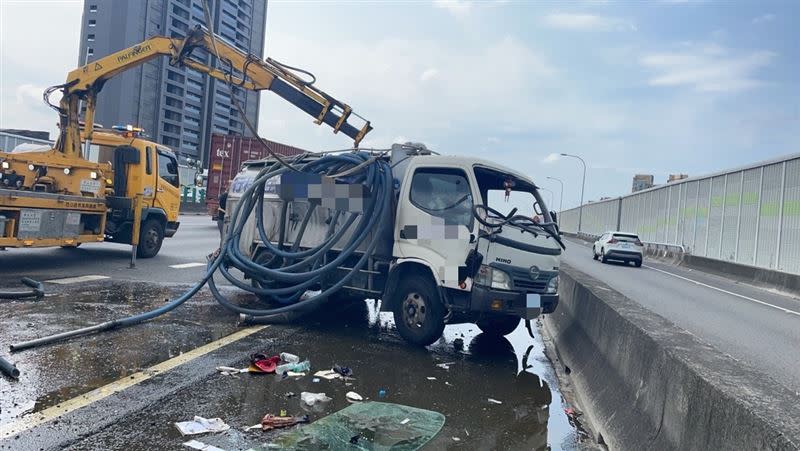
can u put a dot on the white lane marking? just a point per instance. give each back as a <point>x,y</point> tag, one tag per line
<point>725,291</point>
<point>69,280</point>
<point>187,265</point>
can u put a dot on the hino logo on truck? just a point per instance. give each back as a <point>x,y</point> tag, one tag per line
<point>503,260</point>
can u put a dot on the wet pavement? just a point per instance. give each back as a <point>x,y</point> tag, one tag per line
<point>512,370</point>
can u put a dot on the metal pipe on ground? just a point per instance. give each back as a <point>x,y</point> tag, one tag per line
<point>9,368</point>
<point>37,290</point>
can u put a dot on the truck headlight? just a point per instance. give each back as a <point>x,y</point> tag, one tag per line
<point>491,277</point>
<point>6,165</point>
<point>552,286</point>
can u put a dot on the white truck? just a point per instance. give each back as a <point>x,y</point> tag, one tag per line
<point>455,250</point>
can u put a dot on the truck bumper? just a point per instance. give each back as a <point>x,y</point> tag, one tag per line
<point>525,306</point>
<point>171,229</point>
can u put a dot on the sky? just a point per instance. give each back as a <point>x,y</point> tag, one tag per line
<point>632,87</point>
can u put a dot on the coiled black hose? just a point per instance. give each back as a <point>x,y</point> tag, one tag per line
<point>294,271</point>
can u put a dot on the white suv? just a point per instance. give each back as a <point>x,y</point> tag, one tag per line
<point>621,246</point>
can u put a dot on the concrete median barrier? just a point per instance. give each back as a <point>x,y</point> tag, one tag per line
<point>644,383</point>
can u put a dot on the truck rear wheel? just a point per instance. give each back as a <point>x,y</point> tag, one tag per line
<point>151,236</point>
<point>418,310</point>
<point>499,325</point>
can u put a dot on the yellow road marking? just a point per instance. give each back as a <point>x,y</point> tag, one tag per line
<point>78,402</point>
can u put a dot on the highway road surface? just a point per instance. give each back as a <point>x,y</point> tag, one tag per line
<point>758,327</point>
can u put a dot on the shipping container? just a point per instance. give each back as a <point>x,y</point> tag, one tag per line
<point>228,152</point>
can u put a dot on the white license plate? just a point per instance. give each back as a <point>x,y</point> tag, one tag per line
<point>534,300</point>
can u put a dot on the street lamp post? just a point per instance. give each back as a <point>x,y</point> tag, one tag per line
<point>552,195</point>
<point>561,193</point>
<point>583,186</point>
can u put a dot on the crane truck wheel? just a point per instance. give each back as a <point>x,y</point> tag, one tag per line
<point>418,310</point>
<point>151,237</point>
<point>498,325</point>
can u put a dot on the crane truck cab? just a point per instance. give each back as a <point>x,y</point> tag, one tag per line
<point>455,250</point>
<point>48,198</point>
<point>140,167</point>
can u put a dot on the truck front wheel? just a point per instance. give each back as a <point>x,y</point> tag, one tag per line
<point>418,310</point>
<point>151,236</point>
<point>499,325</point>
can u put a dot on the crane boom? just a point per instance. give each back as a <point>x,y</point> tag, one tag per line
<point>239,68</point>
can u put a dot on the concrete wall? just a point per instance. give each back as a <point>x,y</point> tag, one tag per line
<point>644,383</point>
<point>749,215</point>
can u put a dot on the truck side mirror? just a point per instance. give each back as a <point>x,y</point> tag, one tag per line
<point>554,216</point>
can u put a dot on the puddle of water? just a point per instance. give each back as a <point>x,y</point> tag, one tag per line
<point>512,370</point>
<point>55,373</point>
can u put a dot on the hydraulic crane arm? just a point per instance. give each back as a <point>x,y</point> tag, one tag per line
<point>239,68</point>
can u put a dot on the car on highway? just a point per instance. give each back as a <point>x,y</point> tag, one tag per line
<point>620,246</point>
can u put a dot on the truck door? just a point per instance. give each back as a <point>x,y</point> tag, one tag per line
<point>435,223</point>
<point>168,184</point>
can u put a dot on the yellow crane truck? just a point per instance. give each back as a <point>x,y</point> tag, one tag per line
<point>130,194</point>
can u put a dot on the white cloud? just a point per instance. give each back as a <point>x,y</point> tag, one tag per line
<point>707,68</point>
<point>429,74</point>
<point>493,139</point>
<point>28,93</point>
<point>586,22</point>
<point>764,18</point>
<point>551,158</point>
<point>458,8</point>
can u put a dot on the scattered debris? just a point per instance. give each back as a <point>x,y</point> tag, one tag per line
<point>194,444</point>
<point>230,371</point>
<point>201,425</point>
<point>315,380</point>
<point>456,439</point>
<point>448,383</point>
<point>494,401</point>
<point>328,374</point>
<point>353,397</point>
<point>381,393</point>
<point>289,394</point>
<point>289,358</point>
<point>430,378</point>
<point>445,366</point>
<point>271,422</point>
<point>294,374</point>
<point>343,371</point>
<point>299,367</point>
<point>405,421</point>
<point>313,398</point>
<point>466,432</point>
<point>260,363</point>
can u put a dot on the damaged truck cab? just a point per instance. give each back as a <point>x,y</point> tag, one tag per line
<point>455,250</point>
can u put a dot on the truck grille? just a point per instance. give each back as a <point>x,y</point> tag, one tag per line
<point>522,279</point>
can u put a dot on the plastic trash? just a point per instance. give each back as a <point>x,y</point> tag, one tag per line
<point>343,370</point>
<point>270,422</point>
<point>298,367</point>
<point>328,374</point>
<point>431,378</point>
<point>315,380</point>
<point>289,358</point>
<point>195,444</point>
<point>313,398</point>
<point>381,393</point>
<point>353,397</point>
<point>201,425</point>
<point>494,401</point>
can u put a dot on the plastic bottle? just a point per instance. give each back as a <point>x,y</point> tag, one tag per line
<point>300,367</point>
<point>289,358</point>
